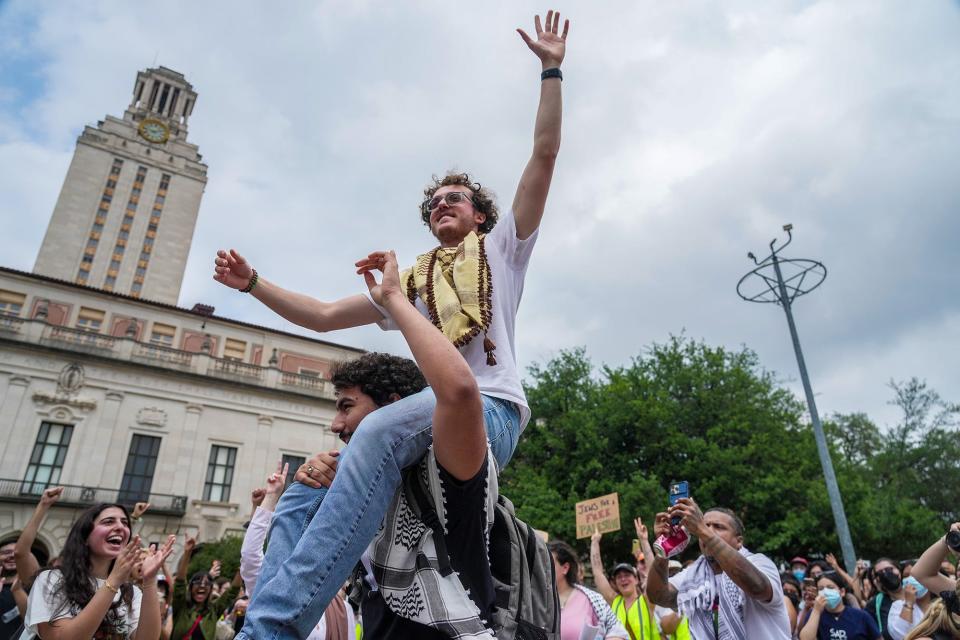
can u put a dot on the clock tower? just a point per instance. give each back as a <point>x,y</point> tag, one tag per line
<point>125,216</point>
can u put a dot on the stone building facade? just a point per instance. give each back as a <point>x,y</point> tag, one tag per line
<point>128,400</point>
<point>111,390</point>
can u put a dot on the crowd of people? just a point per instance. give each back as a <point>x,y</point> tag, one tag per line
<point>404,534</point>
<point>106,584</point>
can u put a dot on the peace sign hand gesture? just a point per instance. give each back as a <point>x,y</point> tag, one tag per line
<point>549,46</point>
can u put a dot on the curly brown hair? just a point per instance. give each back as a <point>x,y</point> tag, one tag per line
<point>379,375</point>
<point>482,198</point>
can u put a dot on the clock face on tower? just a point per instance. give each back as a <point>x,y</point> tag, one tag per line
<point>154,131</point>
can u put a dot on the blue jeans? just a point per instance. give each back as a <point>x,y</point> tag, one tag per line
<point>309,558</point>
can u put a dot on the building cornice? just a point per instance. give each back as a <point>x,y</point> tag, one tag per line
<point>109,295</point>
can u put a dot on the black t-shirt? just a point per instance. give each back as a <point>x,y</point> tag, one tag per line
<point>10,621</point>
<point>466,541</point>
<point>852,624</point>
<point>885,603</point>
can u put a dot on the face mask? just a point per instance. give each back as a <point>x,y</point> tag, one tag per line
<point>799,574</point>
<point>921,590</point>
<point>889,580</point>
<point>832,596</point>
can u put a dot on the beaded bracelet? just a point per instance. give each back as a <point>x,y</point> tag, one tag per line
<point>253,282</point>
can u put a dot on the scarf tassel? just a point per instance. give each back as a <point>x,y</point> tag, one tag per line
<point>489,347</point>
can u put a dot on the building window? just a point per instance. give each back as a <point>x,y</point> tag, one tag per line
<point>162,334</point>
<point>11,302</point>
<point>46,461</point>
<point>219,473</point>
<point>138,474</point>
<point>109,282</point>
<point>234,349</point>
<point>90,319</point>
<point>135,289</point>
<point>294,462</point>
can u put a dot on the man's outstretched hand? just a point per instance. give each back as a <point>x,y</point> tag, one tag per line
<point>549,46</point>
<point>231,269</point>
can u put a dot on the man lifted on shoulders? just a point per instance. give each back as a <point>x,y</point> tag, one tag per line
<point>470,288</point>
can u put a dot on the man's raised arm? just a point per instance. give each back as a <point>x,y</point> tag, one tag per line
<point>459,436</point>
<point>235,272</point>
<point>531,197</point>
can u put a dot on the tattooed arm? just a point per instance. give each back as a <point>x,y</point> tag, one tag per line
<point>724,556</point>
<point>659,589</point>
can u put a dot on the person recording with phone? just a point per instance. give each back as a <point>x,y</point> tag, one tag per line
<point>927,568</point>
<point>729,593</point>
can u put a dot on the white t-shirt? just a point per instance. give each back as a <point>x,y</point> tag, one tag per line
<point>46,604</point>
<point>767,620</point>
<point>897,626</point>
<point>508,258</point>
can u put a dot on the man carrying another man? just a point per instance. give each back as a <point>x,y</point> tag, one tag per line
<point>470,288</point>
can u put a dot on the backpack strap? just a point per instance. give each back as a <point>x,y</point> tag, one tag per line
<point>428,514</point>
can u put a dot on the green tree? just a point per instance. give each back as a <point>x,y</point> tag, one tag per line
<point>226,550</point>
<point>681,411</point>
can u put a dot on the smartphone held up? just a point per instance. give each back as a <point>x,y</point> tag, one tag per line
<point>673,543</point>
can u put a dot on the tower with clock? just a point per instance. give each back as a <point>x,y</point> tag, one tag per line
<point>128,207</point>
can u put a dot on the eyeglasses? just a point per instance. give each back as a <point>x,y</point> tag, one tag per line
<point>451,198</point>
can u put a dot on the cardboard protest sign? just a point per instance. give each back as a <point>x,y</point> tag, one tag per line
<point>598,515</point>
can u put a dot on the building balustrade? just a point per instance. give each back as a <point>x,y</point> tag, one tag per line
<point>36,331</point>
<point>22,491</point>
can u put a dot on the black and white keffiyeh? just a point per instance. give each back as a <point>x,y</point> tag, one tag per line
<point>405,566</point>
<point>696,591</point>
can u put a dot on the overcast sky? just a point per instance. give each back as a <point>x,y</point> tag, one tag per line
<point>692,132</point>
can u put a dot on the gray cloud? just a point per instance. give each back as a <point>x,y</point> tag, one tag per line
<point>691,135</point>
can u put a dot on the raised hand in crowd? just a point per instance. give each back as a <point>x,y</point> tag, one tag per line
<point>27,565</point>
<point>139,509</point>
<point>669,622</point>
<point>275,483</point>
<point>927,568</point>
<point>599,573</point>
<point>318,471</point>
<point>149,565</point>
<point>214,571</point>
<point>853,582</point>
<point>256,497</point>
<point>189,544</point>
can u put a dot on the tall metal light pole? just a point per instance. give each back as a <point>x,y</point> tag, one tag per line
<point>766,283</point>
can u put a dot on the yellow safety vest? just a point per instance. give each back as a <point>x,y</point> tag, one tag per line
<point>683,631</point>
<point>640,618</point>
<point>637,619</point>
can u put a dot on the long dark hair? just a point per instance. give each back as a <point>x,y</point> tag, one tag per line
<point>76,584</point>
<point>566,555</point>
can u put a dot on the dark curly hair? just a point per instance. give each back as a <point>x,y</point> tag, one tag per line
<point>379,375</point>
<point>482,198</point>
<point>75,583</point>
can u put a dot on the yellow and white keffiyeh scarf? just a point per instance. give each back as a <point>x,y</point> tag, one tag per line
<point>456,286</point>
